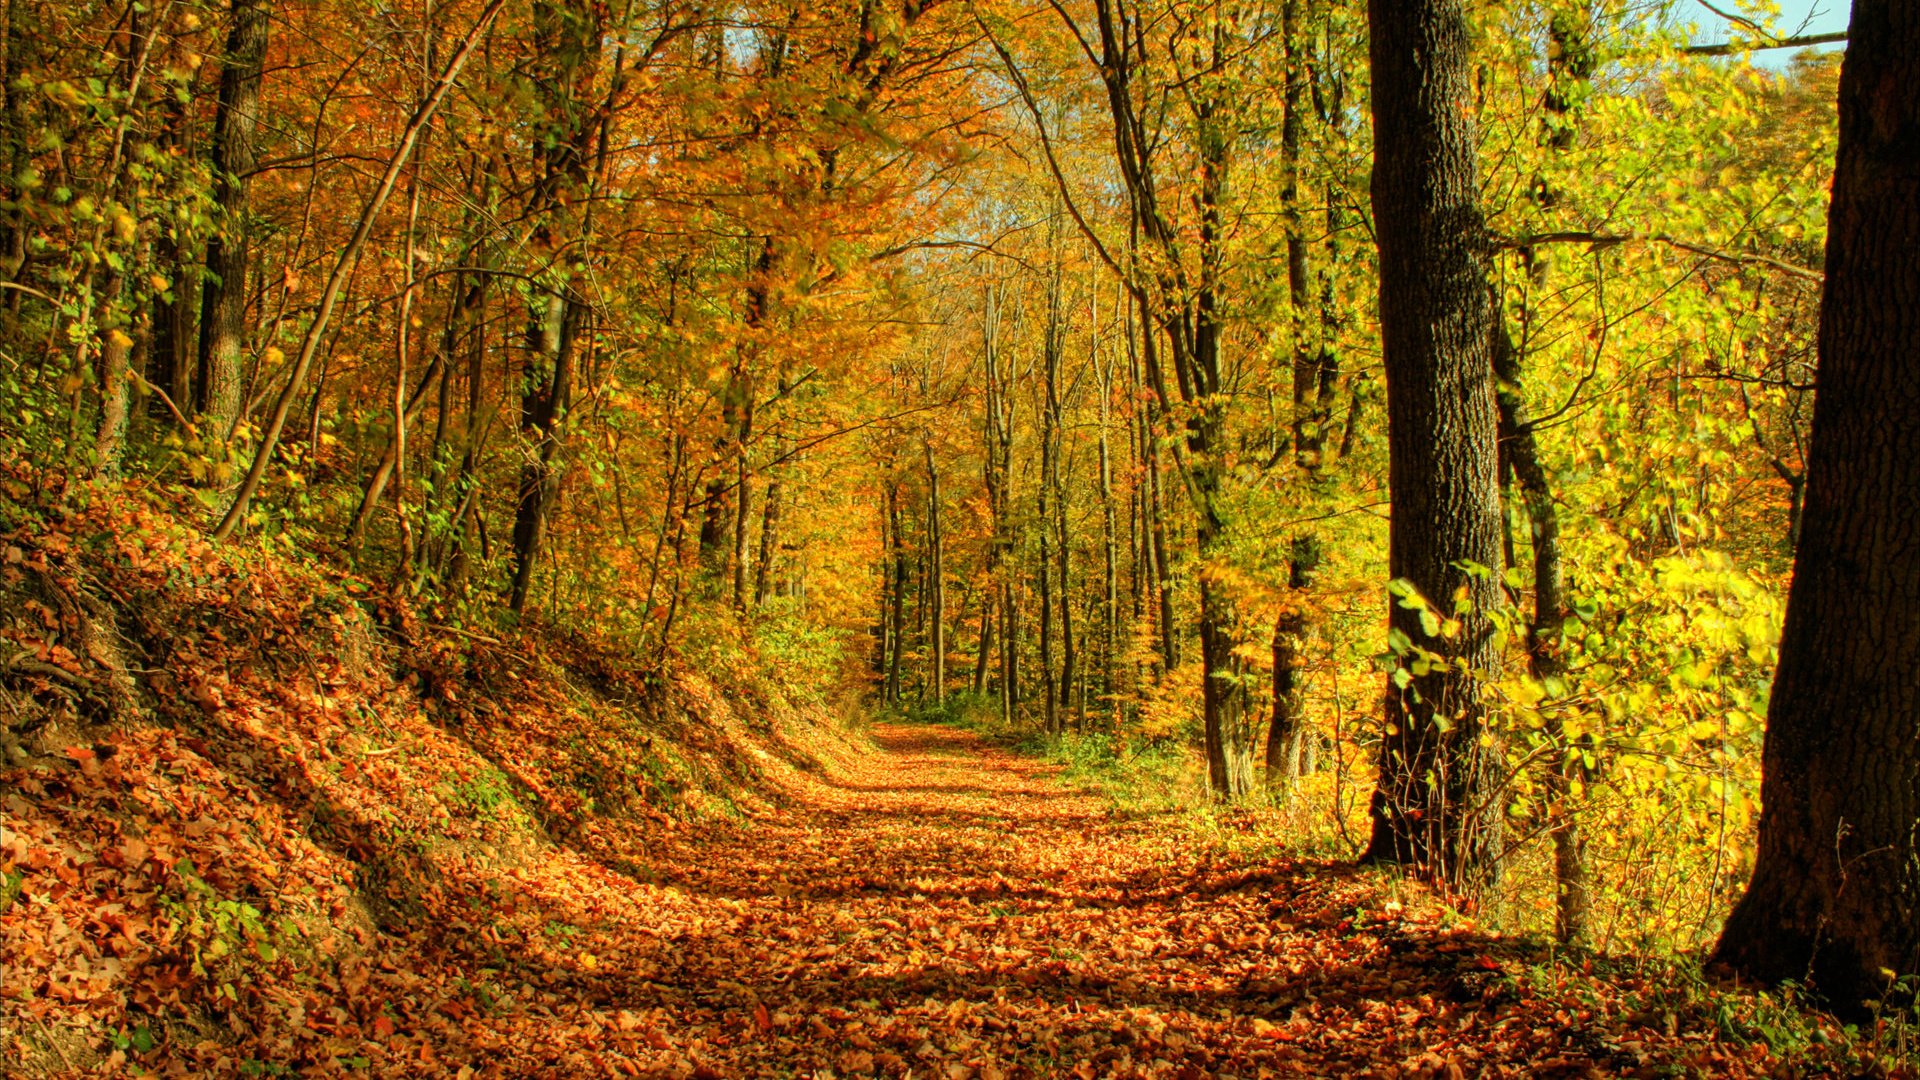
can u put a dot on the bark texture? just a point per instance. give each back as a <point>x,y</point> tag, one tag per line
<point>1432,810</point>
<point>224,296</point>
<point>1835,895</point>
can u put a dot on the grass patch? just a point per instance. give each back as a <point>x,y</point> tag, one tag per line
<point>1135,775</point>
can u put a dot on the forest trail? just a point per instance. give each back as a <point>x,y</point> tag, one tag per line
<point>950,909</point>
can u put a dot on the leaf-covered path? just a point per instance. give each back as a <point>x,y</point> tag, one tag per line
<point>948,909</point>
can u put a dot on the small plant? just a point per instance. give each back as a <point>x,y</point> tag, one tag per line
<point>484,795</point>
<point>1897,1019</point>
<point>226,941</point>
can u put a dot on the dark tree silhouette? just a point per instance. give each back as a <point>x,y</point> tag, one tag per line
<point>1835,895</point>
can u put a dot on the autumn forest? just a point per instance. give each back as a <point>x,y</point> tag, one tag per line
<point>963,538</point>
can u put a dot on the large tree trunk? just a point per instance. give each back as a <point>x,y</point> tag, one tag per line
<point>224,297</point>
<point>568,41</point>
<point>1433,809</point>
<point>1835,894</point>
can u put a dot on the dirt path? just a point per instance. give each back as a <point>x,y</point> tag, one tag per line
<point>952,911</point>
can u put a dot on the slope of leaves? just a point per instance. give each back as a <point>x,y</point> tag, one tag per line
<point>269,824</point>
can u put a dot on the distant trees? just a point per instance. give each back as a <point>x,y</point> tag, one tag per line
<point>1835,894</point>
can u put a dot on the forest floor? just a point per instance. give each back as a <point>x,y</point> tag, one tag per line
<point>950,909</point>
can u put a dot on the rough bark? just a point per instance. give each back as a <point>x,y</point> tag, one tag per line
<point>223,299</point>
<point>1835,894</point>
<point>1433,809</point>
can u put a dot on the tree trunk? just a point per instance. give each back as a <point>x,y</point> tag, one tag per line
<point>543,409</point>
<point>1009,652</point>
<point>742,508</point>
<point>171,355</point>
<point>983,657</point>
<point>1433,809</point>
<point>1308,428</point>
<point>1285,734</point>
<point>769,543</point>
<point>114,374</point>
<point>936,585</point>
<point>1063,554</point>
<point>1110,579</point>
<point>1521,450</point>
<point>897,612</point>
<point>1835,895</point>
<point>1044,579</point>
<point>714,545</point>
<point>1157,546</point>
<point>223,299</point>
<point>389,460</point>
<point>1569,62</point>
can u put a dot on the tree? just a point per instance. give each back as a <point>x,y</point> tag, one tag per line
<point>1432,809</point>
<point>1835,893</point>
<point>224,299</point>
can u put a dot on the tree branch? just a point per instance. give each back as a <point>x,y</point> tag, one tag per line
<point>1797,41</point>
<point>1605,240</point>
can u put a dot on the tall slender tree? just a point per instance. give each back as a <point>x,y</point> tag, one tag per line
<point>224,297</point>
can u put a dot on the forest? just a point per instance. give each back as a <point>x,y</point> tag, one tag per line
<point>964,538</point>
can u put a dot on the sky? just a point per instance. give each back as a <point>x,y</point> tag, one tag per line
<point>1818,17</point>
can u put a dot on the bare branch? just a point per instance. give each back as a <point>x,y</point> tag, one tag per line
<point>1733,48</point>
